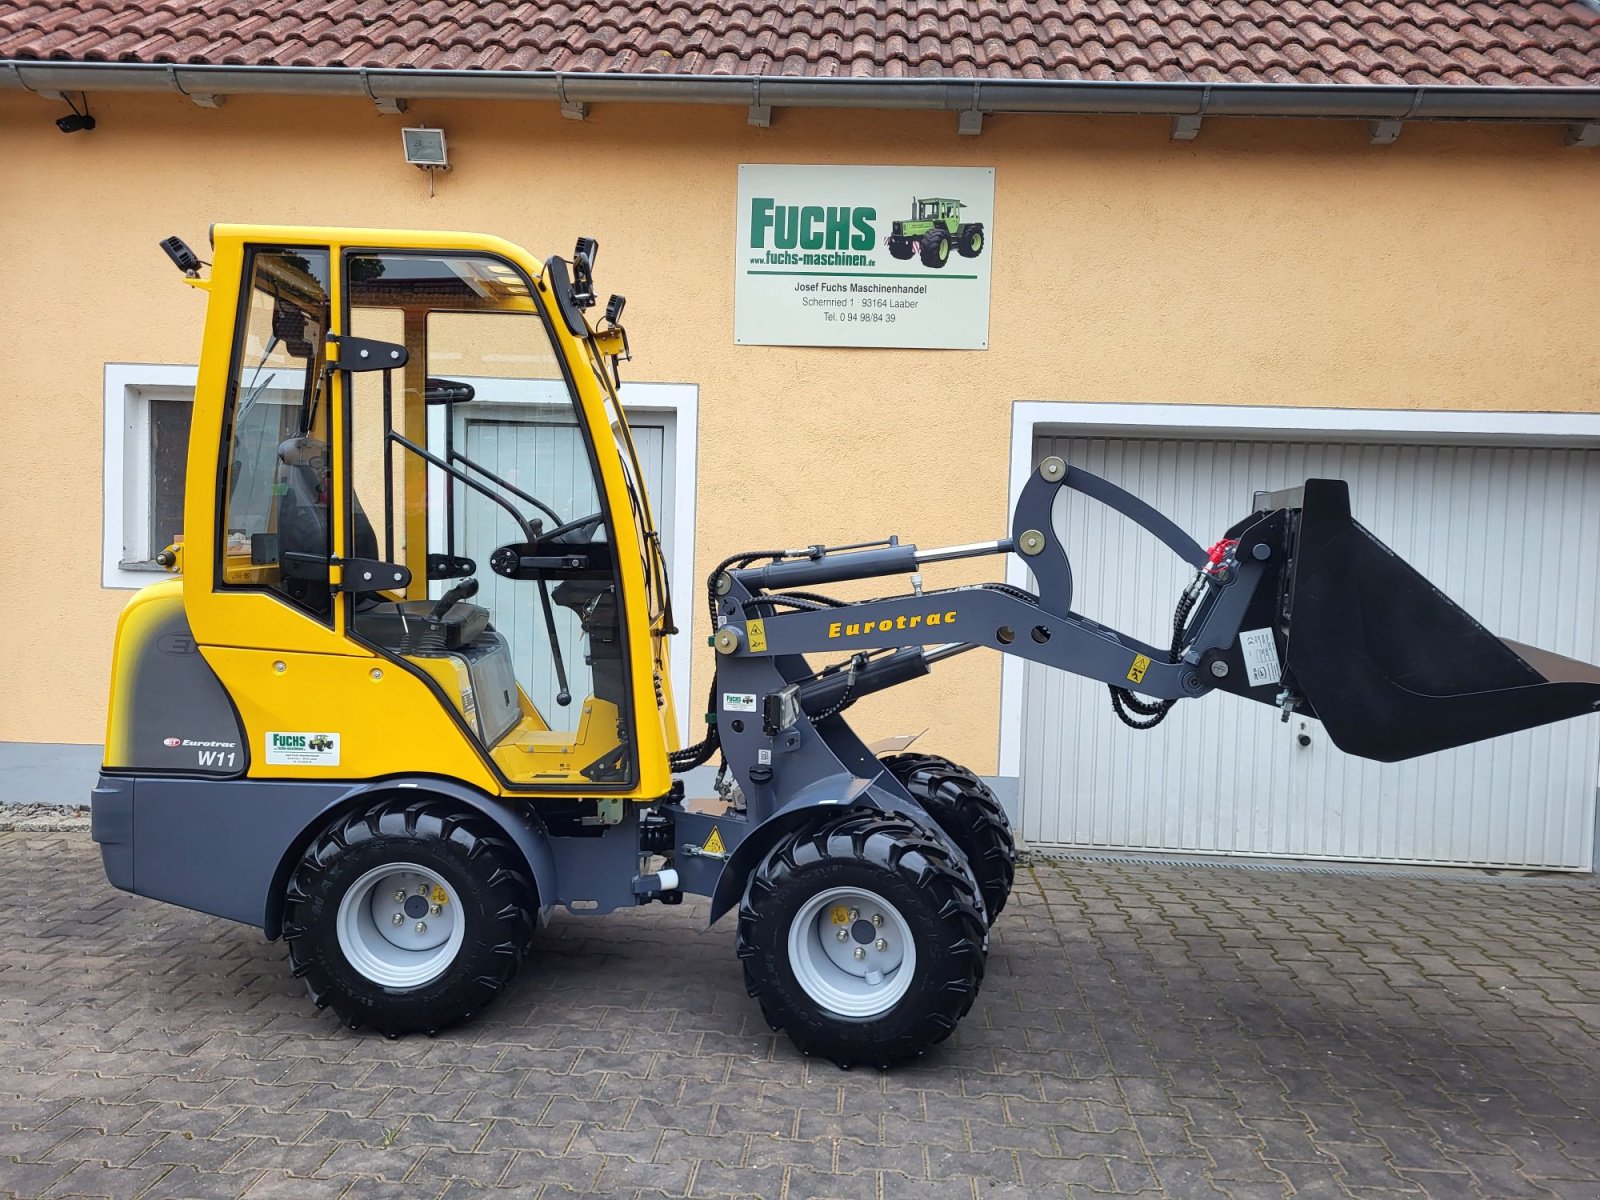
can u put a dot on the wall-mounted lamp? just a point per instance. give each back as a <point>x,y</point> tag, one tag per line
<point>425,148</point>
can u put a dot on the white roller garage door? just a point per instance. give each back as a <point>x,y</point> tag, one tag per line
<point>1512,534</point>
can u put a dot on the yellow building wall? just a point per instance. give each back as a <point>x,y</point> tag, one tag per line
<point>1267,262</point>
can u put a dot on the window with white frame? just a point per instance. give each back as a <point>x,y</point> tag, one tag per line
<point>147,410</point>
<point>167,446</point>
<point>147,421</point>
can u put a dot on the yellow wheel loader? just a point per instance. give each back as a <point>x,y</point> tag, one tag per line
<point>409,689</point>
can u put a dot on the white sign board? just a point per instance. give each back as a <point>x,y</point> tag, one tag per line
<point>864,256</point>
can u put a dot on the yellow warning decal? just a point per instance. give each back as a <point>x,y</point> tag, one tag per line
<point>714,843</point>
<point>1141,664</point>
<point>440,896</point>
<point>839,914</point>
<point>757,631</point>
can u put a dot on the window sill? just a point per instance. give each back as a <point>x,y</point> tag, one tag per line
<point>153,568</point>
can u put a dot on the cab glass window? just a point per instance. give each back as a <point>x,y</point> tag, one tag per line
<point>276,507</point>
<point>471,453</point>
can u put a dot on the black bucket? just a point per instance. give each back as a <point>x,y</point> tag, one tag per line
<point>1391,665</point>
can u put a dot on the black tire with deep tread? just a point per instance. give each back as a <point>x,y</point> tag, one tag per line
<point>913,870</point>
<point>971,816</point>
<point>969,242</point>
<point>902,248</point>
<point>489,879</point>
<point>935,248</point>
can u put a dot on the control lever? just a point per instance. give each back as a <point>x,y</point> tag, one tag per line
<point>563,696</point>
<point>465,590</point>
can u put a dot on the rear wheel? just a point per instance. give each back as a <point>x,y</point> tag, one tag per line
<point>408,917</point>
<point>935,248</point>
<point>861,939</point>
<point>970,243</point>
<point>971,816</point>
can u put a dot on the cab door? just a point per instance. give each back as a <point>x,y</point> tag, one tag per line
<point>515,614</point>
<point>265,584</point>
<point>258,507</point>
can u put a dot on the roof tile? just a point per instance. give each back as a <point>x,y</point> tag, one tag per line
<point>1278,41</point>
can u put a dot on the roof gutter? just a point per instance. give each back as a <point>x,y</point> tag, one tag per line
<point>1375,102</point>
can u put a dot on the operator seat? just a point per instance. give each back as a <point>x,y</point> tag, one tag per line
<point>304,524</point>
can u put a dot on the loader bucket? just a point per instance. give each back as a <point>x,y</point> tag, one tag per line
<point>1391,665</point>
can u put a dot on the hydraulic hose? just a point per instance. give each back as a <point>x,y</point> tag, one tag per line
<point>693,756</point>
<point>1147,714</point>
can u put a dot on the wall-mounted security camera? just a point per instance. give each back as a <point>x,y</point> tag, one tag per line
<point>425,148</point>
<point>75,123</point>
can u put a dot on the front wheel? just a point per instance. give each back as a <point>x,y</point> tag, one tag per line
<point>901,248</point>
<point>861,939</point>
<point>408,917</point>
<point>971,816</point>
<point>935,248</point>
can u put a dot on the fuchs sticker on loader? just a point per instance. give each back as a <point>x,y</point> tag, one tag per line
<point>479,664</point>
<point>302,749</point>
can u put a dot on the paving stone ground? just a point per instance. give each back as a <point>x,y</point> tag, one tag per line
<point>1156,1030</point>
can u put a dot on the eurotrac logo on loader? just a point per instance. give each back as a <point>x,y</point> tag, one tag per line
<point>889,624</point>
<point>302,749</point>
<point>207,753</point>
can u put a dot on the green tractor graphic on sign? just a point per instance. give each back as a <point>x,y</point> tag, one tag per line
<point>934,227</point>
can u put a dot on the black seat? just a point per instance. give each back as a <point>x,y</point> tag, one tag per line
<point>304,541</point>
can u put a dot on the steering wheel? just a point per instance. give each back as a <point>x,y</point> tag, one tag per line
<point>572,526</point>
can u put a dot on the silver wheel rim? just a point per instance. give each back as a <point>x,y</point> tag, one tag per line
<point>828,968</point>
<point>413,950</point>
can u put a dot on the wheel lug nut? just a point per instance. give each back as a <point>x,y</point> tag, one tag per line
<point>400,896</point>
<point>421,927</point>
<point>422,889</point>
<point>877,920</point>
<point>433,910</point>
<point>860,952</point>
<point>880,944</point>
<point>399,918</point>
<point>855,914</point>
<point>843,935</point>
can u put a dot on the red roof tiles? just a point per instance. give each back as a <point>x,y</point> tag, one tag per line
<point>1278,41</point>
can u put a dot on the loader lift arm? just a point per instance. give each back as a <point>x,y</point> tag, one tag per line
<point>1298,606</point>
<point>1042,628</point>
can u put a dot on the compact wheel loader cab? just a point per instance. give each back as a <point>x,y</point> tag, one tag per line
<point>408,692</point>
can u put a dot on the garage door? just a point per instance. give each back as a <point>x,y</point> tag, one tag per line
<point>1512,534</point>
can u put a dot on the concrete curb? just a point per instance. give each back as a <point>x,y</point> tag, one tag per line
<point>44,818</point>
